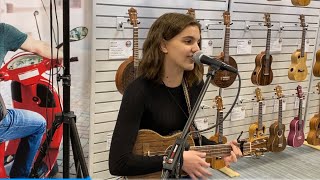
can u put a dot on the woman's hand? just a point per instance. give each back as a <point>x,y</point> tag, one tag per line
<point>195,166</point>
<point>235,153</point>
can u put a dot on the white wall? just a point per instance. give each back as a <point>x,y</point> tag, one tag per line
<point>105,100</point>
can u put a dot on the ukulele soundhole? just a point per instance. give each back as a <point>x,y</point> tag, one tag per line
<point>291,69</point>
<point>279,133</point>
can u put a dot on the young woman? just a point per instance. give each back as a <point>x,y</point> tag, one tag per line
<point>156,100</point>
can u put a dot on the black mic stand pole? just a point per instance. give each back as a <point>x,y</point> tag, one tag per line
<point>69,118</point>
<point>171,165</point>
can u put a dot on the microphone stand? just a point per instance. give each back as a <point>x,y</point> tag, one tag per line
<point>170,163</point>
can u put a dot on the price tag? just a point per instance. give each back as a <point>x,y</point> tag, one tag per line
<point>202,123</point>
<point>296,103</point>
<point>276,45</point>
<point>120,49</point>
<point>244,46</point>
<point>255,108</point>
<point>109,138</point>
<point>238,113</point>
<point>276,105</point>
<point>207,47</point>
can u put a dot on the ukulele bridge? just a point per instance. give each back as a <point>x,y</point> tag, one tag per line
<point>225,78</point>
<point>300,70</point>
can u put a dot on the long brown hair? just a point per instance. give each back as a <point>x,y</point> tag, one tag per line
<point>166,27</point>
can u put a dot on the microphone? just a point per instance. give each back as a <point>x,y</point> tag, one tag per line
<point>199,57</point>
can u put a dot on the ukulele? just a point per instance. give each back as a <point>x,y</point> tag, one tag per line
<point>316,67</point>
<point>277,141</point>
<point>300,2</point>
<point>313,137</point>
<point>150,143</point>
<point>298,70</point>
<point>257,129</point>
<point>219,138</point>
<point>225,78</point>
<point>128,70</point>
<point>296,134</point>
<point>262,74</point>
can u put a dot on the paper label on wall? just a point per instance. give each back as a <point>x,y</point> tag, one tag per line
<point>276,45</point>
<point>109,138</point>
<point>296,103</point>
<point>276,105</point>
<point>255,108</point>
<point>207,47</point>
<point>202,123</point>
<point>307,47</point>
<point>244,46</point>
<point>238,113</point>
<point>120,49</point>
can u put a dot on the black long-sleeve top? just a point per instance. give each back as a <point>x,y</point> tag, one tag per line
<point>147,105</point>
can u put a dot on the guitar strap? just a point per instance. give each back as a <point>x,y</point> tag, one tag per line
<point>195,135</point>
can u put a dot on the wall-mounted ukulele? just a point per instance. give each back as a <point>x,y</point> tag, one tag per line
<point>296,134</point>
<point>262,74</point>
<point>128,70</point>
<point>313,137</point>
<point>316,67</point>
<point>257,129</point>
<point>192,13</point>
<point>298,70</point>
<point>277,141</point>
<point>225,78</point>
<point>219,138</point>
<point>300,2</point>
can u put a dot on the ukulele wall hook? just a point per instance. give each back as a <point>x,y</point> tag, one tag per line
<point>208,23</point>
<point>248,25</point>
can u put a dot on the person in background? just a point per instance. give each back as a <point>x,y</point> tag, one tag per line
<point>156,100</point>
<point>18,123</point>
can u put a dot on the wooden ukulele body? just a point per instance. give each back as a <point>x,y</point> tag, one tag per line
<point>300,2</point>
<point>125,74</point>
<point>313,137</point>
<point>259,77</point>
<point>296,135</point>
<point>225,78</point>
<point>255,133</point>
<point>277,141</point>
<point>316,67</point>
<point>298,70</point>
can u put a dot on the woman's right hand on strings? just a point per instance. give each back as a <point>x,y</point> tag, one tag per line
<point>195,166</point>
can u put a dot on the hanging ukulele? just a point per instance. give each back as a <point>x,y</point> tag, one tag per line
<point>219,138</point>
<point>262,74</point>
<point>277,141</point>
<point>296,134</point>
<point>298,70</point>
<point>313,137</point>
<point>300,2</point>
<point>225,78</point>
<point>128,70</point>
<point>316,67</point>
<point>257,129</point>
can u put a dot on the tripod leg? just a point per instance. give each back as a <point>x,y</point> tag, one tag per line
<point>44,148</point>
<point>77,147</point>
<point>75,155</point>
